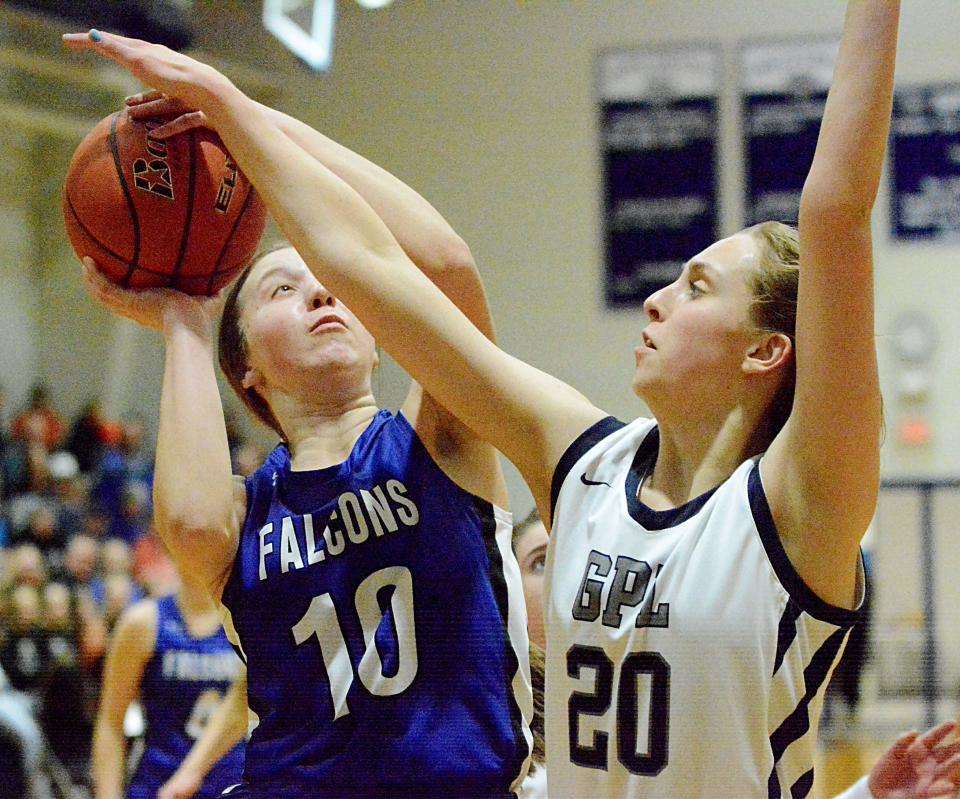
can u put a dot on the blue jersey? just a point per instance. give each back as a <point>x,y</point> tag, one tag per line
<point>378,606</point>
<point>182,684</point>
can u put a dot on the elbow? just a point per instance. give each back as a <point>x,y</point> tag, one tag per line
<point>449,256</point>
<point>836,202</point>
<point>183,529</point>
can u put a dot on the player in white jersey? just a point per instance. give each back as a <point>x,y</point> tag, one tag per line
<point>706,567</point>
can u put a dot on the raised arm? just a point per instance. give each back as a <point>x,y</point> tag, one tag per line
<point>197,504</point>
<point>822,472</point>
<point>225,729</point>
<point>427,239</point>
<point>528,415</point>
<point>423,233</point>
<point>130,649</point>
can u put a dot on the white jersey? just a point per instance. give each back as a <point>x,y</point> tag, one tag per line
<point>686,657</point>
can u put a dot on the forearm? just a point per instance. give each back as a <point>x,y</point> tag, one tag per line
<point>426,237</point>
<point>421,231</point>
<point>846,168</point>
<point>109,756</point>
<point>193,485</point>
<point>226,728</point>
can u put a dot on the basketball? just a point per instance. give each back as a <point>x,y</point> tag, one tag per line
<point>176,213</point>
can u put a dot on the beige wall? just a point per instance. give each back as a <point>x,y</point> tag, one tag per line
<point>487,107</point>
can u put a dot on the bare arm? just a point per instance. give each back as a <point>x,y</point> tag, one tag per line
<point>131,648</point>
<point>528,415</point>
<point>196,506</point>
<point>427,239</point>
<point>225,729</point>
<point>822,472</point>
<point>431,243</point>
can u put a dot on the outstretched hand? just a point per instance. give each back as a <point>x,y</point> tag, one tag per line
<point>151,308</point>
<point>163,69</point>
<point>918,766</point>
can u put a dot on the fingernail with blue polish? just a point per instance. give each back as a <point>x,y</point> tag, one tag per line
<point>94,35</point>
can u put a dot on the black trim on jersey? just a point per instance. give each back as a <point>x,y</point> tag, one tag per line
<point>587,439</point>
<point>511,665</point>
<point>786,632</point>
<point>797,723</point>
<point>799,591</point>
<point>773,785</point>
<point>644,515</point>
<point>802,787</point>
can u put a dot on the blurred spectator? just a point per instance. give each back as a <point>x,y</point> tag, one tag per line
<point>25,566</point>
<point>38,422</point>
<point>50,486</point>
<point>67,490</point>
<point>88,435</point>
<point>23,644</point>
<point>45,534</point>
<point>135,513</point>
<point>81,562</point>
<point>116,560</point>
<point>67,703</point>
<point>116,556</point>
<point>96,523</point>
<point>123,482</point>
<point>118,594</point>
<point>21,744</point>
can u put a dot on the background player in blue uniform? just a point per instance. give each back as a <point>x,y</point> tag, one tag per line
<point>172,655</point>
<point>366,566</point>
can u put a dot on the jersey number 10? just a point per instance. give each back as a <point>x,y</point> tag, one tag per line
<point>322,621</point>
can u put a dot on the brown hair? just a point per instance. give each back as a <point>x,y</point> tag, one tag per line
<point>232,344</point>
<point>522,526</point>
<point>537,668</point>
<point>773,285</point>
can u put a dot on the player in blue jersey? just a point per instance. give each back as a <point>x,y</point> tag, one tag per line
<point>172,655</point>
<point>668,542</point>
<point>366,567</point>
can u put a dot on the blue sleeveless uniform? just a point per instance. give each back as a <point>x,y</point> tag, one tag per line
<point>182,685</point>
<point>379,609</point>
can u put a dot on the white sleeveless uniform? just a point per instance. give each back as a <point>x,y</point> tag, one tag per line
<point>686,658</point>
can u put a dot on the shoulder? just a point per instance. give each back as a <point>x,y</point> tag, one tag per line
<point>136,630</point>
<point>603,449</point>
<point>463,457</point>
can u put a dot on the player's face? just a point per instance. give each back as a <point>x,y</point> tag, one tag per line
<point>532,555</point>
<point>699,328</point>
<point>294,326</point>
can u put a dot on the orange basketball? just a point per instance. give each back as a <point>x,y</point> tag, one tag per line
<point>176,213</point>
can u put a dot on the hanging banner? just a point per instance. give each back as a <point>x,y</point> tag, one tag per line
<point>925,155</point>
<point>783,88</point>
<point>658,141</point>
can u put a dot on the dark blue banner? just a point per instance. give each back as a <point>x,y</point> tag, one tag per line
<point>658,128</point>
<point>780,138</point>
<point>783,92</point>
<point>925,155</point>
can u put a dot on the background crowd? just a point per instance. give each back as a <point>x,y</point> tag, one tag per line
<point>76,549</point>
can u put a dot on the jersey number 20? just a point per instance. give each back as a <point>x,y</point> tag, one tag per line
<point>322,621</point>
<point>598,701</point>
